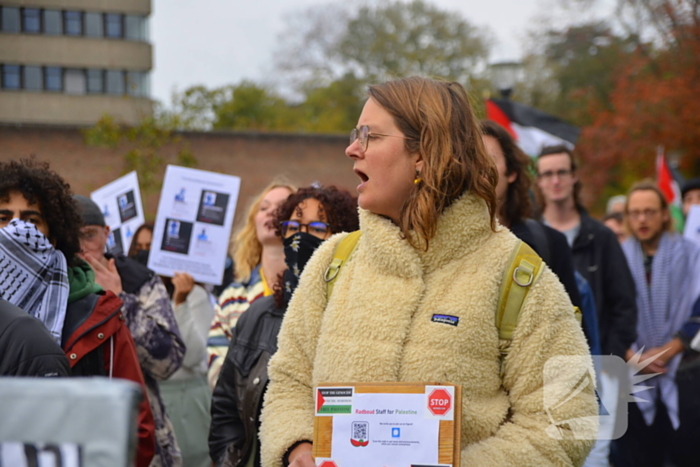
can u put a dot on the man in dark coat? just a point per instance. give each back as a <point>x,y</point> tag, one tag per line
<point>26,346</point>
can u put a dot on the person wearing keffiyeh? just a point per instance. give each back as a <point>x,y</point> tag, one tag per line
<point>42,274</point>
<point>33,275</point>
<point>665,425</point>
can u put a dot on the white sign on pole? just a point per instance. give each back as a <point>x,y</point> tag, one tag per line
<point>120,202</point>
<point>692,225</point>
<point>193,224</point>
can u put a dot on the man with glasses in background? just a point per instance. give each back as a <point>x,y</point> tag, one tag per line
<point>599,259</point>
<point>665,425</point>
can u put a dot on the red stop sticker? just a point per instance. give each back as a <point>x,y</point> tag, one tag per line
<point>328,464</point>
<point>439,402</point>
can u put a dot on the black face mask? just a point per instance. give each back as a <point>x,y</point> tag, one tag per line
<point>297,250</point>
<point>142,257</point>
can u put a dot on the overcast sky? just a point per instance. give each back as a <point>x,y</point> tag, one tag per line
<point>217,42</point>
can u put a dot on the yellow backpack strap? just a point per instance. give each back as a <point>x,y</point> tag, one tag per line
<point>342,253</point>
<point>522,270</point>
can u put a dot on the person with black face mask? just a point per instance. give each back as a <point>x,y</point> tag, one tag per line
<point>304,221</point>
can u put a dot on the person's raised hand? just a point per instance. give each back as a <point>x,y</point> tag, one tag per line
<point>183,283</point>
<point>106,275</point>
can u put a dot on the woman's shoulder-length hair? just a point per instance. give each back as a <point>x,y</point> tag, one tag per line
<point>438,120</point>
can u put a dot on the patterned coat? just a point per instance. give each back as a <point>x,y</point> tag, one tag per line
<point>151,320</point>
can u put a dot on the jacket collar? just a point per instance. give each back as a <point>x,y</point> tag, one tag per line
<point>462,229</point>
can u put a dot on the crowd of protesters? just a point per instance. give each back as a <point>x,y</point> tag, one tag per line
<point>228,374</point>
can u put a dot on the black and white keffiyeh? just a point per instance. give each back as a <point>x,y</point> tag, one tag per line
<point>34,275</point>
<point>663,307</point>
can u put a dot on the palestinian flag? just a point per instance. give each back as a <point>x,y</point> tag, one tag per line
<point>670,187</point>
<point>531,128</point>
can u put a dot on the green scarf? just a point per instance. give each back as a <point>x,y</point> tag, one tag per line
<point>82,281</point>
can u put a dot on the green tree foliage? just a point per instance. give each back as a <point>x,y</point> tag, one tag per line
<point>249,106</point>
<point>333,108</point>
<point>379,41</point>
<point>329,54</point>
<point>144,145</point>
<point>417,38</point>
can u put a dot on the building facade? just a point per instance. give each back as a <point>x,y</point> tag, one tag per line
<point>72,61</point>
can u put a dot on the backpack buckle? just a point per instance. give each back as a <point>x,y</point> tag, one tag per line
<point>525,271</point>
<point>332,270</point>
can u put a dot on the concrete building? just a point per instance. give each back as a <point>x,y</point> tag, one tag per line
<point>69,62</point>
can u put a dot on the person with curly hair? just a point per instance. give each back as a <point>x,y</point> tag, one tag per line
<point>258,258</point>
<point>303,221</point>
<point>41,273</point>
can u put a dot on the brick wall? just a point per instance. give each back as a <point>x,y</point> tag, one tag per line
<point>255,157</point>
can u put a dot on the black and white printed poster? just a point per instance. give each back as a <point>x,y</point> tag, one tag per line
<point>120,203</point>
<point>193,225</point>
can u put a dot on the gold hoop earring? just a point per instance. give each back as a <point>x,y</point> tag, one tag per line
<point>417,180</point>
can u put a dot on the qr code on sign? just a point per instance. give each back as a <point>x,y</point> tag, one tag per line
<point>360,430</point>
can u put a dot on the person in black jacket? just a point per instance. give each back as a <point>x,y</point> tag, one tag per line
<point>305,220</point>
<point>515,206</point>
<point>26,346</point>
<point>596,251</point>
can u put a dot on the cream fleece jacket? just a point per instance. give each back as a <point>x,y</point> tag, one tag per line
<point>377,327</point>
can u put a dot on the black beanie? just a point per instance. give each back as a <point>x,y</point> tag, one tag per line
<point>89,211</point>
<point>692,184</point>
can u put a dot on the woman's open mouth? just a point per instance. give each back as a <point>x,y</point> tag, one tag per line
<point>362,176</point>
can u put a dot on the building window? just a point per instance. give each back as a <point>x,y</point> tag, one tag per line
<point>31,78</point>
<point>10,77</point>
<point>135,28</point>
<point>115,82</point>
<point>54,78</point>
<point>31,20</point>
<point>52,22</point>
<point>137,82</point>
<point>113,25</point>
<point>93,25</point>
<point>73,23</point>
<point>95,82</point>
<point>10,19</point>
<point>75,82</point>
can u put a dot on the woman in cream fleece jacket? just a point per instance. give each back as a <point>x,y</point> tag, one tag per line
<point>429,245</point>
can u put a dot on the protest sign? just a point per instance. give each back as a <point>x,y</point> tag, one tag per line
<point>193,224</point>
<point>120,203</point>
<point>379,424</point>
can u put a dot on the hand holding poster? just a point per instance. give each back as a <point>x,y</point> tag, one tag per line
<point>120,202</point>
<point>193,224</point>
